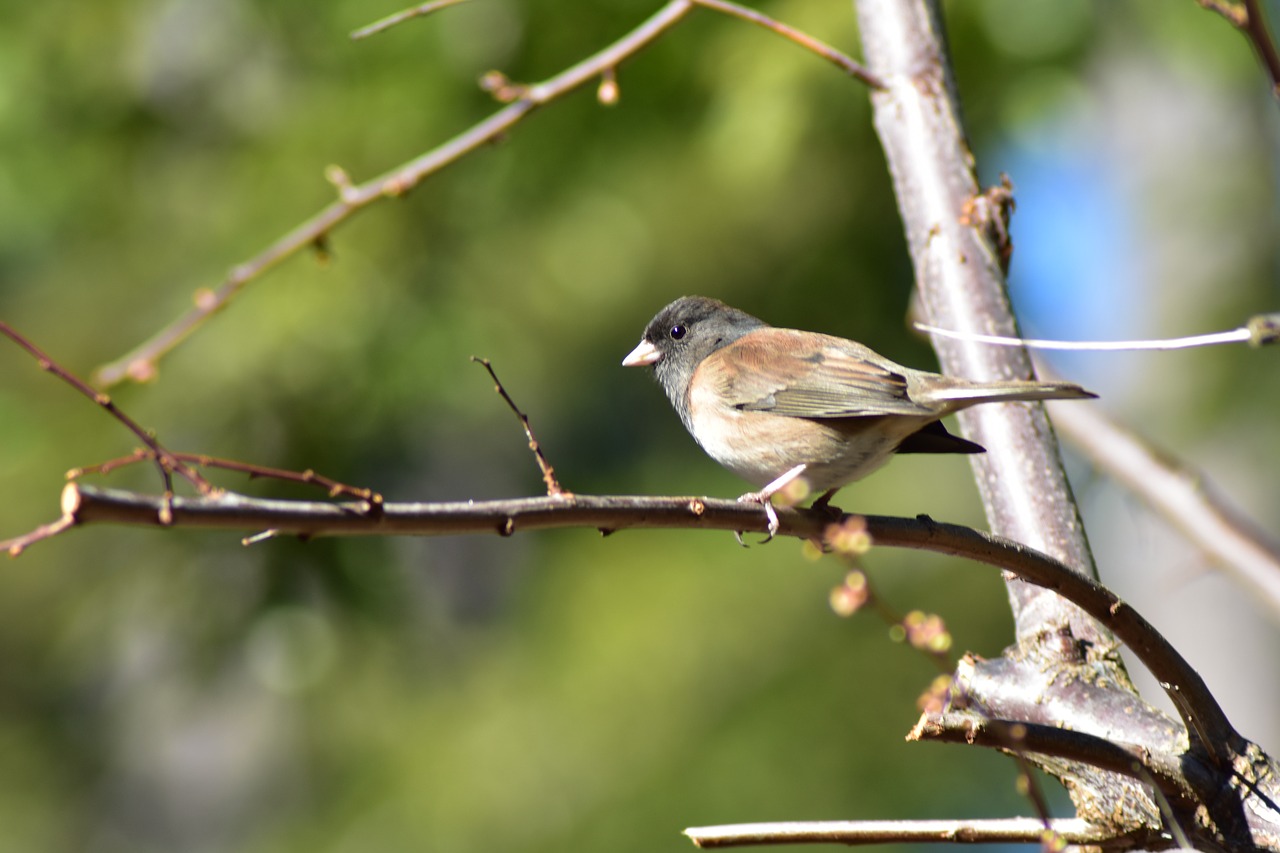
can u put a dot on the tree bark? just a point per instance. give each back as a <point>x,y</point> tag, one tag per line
<point>961,284</point>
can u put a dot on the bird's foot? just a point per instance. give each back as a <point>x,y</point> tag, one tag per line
<point>764,497</point>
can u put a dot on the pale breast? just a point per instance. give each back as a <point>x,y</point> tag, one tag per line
<point>760,446</point>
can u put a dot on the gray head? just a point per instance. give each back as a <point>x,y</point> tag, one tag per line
<point>681,335</point>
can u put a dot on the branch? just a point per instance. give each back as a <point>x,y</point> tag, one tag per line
<point>1249,20</point>
<point>995,831</point>
<point>15,546</point>
<point>402,16</point>
<point>1195,704</point>
<point>1200,711</point>
<point>554,489</point>
<point>1020,478</point>
<point>140,364</point>
<point>1160,769</point>
<point>1256,31</point>
<point>1181,495</point>
<point>808,42</point>
<point>166,462</point>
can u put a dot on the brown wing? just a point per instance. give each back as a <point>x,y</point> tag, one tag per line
<point>807,375</point>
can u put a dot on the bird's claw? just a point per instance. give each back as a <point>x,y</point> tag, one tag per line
<point>766,503</point>
<point>764,497</point>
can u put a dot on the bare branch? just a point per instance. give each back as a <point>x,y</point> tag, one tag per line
<point>1137,761</point>
<point>402,16</point>
<point>1247,17</point>
<point>858,832</point>
<point>166,462</point>
<point>140,364</point>
<point>15,546</point>
<point>308,477</point>
<point>1235,15</point>
<point>808,42</point>
<point>1181,495</point>
<point>548,473</point>
<point>958,271</point>
<point>1255,29</point>
<point>1199,710</point>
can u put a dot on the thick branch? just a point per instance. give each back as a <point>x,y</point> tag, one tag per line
<point>959,276</point>
<point>1021,480</point>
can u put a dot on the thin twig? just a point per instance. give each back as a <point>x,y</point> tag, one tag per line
<point>992,831</point>
<point>308,477</point>
<point>402,16</point>
<point>15,546</point>
<point>138,455</point>
<point>1249,20</point>
<point>548,473</point>
<point>808,42</point>
<point>1255,29</point>
<point>140,364</point>
<point>165,461</point>
<point>1233,13</point>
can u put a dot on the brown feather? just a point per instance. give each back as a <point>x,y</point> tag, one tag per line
<point>806,375</point>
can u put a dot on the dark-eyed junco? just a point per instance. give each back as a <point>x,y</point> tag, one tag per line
<point>772,404</point>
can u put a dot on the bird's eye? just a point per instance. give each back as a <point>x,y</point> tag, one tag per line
<point>678,332</point>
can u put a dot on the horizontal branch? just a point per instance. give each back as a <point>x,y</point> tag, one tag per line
<point>1024,830</point>
<point>1195,704</point>
<point>230,511</point>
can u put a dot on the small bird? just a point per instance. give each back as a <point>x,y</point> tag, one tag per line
<point>772,405</point>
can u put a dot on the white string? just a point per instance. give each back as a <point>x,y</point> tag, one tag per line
<point>1234,336</point>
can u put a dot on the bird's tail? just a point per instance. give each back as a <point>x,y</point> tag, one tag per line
<point>963,395</point>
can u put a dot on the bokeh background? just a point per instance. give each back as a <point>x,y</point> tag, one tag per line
<point>175,691</point>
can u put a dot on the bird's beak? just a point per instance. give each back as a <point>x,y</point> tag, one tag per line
<point>645,353</point>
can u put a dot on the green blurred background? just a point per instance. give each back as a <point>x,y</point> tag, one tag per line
<point>165,691</point>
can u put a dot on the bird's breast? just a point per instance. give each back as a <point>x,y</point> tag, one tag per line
<point>760,446</point>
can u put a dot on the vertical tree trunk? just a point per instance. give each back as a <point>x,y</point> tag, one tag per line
<point>962,286</point>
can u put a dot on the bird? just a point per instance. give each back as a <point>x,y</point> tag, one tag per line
<point>772,405</point>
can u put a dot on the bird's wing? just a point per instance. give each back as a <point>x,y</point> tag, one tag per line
<point>807,375</point>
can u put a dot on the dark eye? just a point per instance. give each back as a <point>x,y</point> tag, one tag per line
<point>678,332</point>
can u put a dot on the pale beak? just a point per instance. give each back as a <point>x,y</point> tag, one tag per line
<point>645,353</point>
